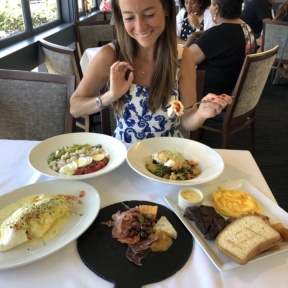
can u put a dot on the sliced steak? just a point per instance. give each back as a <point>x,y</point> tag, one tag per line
<point>207,220</point>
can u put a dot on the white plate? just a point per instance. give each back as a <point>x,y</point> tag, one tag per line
<point>210,162</point>
<point>39,155</point>
<point>269,208</point>
<point>25,253</point>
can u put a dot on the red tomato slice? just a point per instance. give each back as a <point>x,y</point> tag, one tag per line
<point>93,164</point>
<point>99,166</point>
<point>105,160</point>
<point>92,167</point>
<point>78,171</point>
<point>89,170</point>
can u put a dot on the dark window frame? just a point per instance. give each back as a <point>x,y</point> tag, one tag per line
<point>29,30</point>
<point>24,54</point>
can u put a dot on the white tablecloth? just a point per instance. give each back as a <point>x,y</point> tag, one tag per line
<point>65,268</point>
<point>87,56</point>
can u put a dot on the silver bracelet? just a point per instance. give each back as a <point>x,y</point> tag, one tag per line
<point>100,104</point>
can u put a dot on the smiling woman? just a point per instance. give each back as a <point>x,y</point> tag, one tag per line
<point>145,70</point>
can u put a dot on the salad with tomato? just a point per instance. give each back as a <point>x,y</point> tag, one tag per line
<point>78,159</point>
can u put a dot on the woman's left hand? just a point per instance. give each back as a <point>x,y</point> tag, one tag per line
<point>217,104</point>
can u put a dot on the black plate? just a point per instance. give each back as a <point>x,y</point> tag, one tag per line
<point>106,256</point>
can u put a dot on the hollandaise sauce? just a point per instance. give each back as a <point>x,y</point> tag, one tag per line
<point>190,195</point>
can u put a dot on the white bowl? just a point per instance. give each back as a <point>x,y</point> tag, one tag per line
<point>38,156</point>
<point>188,197</point>
<point>210,162</point>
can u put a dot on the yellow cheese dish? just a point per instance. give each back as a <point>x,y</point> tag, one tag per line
<point>234,203</point>
<point>36,218</point>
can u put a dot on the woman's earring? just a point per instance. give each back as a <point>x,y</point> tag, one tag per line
<point>214,18</point>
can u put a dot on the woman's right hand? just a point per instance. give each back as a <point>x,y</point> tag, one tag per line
<point>214,106</point>
<point>194,20</point>
<point>119,85</point>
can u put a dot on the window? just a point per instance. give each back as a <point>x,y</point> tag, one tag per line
<point>43,12</point>
<point>11,18</point>
<point>20,19</point>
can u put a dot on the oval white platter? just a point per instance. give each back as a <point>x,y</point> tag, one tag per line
<point>89,208</point>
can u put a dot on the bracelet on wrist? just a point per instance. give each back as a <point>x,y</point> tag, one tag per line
<point>100,104</point>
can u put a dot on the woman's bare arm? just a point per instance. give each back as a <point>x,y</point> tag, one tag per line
<point>199,56</point>
<point>194,118</point>
<point>101,68</point>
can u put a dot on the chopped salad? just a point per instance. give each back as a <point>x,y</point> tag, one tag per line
<point>171,164</point>
<point>78,159</point>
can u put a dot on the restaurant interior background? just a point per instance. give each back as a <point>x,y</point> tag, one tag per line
<point>21,52</point>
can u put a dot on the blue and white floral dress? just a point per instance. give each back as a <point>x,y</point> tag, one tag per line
<point>138,122</point>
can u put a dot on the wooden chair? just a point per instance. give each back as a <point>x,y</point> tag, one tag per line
<point>61,60</point>
<point>93,34</point>
<point>64,60</point>
<point>275,33</point>
<point>241,113</point>
<point>35,106</point>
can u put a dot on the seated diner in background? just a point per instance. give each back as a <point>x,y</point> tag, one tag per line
<point>254,14</point>
<point>221,50</point>
<point>146,70</point>
<point>193,16</point>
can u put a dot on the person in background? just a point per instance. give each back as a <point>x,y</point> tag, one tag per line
<point>146,69</point>
<point>254,14</point>
<point>193,16</point>
<point>221,50</point>
<point>87,7</point>
<point>282,12</point>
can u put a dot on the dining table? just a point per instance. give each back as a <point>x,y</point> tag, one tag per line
<point>65,268</point>
<point>87,56</point>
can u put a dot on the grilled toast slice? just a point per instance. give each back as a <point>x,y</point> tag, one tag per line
<point>247,237</point>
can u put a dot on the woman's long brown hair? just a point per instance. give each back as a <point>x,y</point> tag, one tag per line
<point>165,56</point>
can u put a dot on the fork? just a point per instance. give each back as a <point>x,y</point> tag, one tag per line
<point>200,102</point>
<point>197,103</point>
